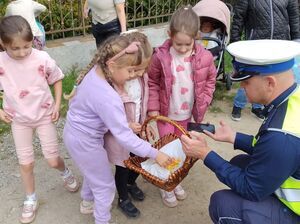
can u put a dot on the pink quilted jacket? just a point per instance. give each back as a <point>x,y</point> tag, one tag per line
<point>160,80</point>
<point>116,153</point>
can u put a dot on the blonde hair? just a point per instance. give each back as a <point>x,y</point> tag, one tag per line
<point>143,39</point>
<point>185,20</point>
<point>112,46</point>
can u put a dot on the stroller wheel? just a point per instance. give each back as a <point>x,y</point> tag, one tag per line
<point>228,82</point>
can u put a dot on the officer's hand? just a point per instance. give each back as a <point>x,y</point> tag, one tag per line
<point>223,134</point>
<point>195,147</point>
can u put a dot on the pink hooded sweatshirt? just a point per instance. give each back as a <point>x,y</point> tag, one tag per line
<point>160,80</point>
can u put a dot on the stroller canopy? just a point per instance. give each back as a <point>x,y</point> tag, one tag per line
<point>215,9</point>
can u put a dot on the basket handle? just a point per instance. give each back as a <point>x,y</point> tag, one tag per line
<point>165,119</point>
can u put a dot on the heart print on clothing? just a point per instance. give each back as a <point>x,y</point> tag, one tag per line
<point>179,68</point>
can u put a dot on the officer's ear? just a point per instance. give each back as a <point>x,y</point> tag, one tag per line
<point>271,82</point>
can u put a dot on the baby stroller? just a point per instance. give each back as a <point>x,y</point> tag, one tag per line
<point>215,40</point>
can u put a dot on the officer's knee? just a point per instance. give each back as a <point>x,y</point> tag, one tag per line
<point>215,204</point>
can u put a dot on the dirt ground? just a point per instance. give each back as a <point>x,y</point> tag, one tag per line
<point>60,207</point>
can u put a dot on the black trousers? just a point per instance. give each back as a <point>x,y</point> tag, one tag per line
<point>124,176</point>
<point>227,207</point>
<point>102,31</point>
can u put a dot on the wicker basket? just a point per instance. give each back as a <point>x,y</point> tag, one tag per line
<point>134,163</point>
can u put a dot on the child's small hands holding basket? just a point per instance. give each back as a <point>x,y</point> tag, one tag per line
<point>135,127</point>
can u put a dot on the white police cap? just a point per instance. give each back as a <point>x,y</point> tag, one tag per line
<point>262,57</point>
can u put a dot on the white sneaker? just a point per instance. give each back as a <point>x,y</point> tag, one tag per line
<point>29,211</point>
<point>70,182</point>
<point>168,198</point>
<point>180,193</point>
<point>86,207</point>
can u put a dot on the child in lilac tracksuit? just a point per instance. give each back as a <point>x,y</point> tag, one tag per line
<point>95,109</point>
<point>135,99</point>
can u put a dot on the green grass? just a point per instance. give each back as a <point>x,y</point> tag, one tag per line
<point>214,109</point>
<point>221,93</point>
<point>4,128</point>
<point>68,83</point>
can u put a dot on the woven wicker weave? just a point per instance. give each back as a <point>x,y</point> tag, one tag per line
<point>134,163</point>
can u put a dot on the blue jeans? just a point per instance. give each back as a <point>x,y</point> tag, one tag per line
<point>103,31</point>
<point>227,207</point>
<point>240,100</point>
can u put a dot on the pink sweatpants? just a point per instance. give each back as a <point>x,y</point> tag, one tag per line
<point>165,128</point>
<point>23,137</point>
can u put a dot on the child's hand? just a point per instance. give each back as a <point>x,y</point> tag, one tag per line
<point>5,117</point>
<point>163,159</point>
<point>135,127</point>
<point>149,132</point>
<point>55,114</point>
<point>153,113</point>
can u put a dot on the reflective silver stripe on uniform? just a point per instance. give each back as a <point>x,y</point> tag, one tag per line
<point>291,195</point>
<point>221,219</point>
<point>283,131</point>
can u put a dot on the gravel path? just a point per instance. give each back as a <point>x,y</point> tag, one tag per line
<point>60,207</point>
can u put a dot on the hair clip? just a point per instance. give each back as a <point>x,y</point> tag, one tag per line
<point>130,49</point>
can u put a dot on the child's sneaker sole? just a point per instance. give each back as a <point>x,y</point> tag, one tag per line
<point>26,220</point>
<point>181,197</point>
<point>88,209</point>
<point>170,204</point>
<point>180,193</point>
<point>71,184</point>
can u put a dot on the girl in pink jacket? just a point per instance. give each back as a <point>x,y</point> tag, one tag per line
<point>135,99</point>
<point>182,78</point>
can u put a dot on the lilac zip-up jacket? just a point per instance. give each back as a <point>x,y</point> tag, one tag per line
<point>160,80</point>
<point>97,108</point>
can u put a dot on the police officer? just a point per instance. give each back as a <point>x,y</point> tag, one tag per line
<point>264,183</point>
